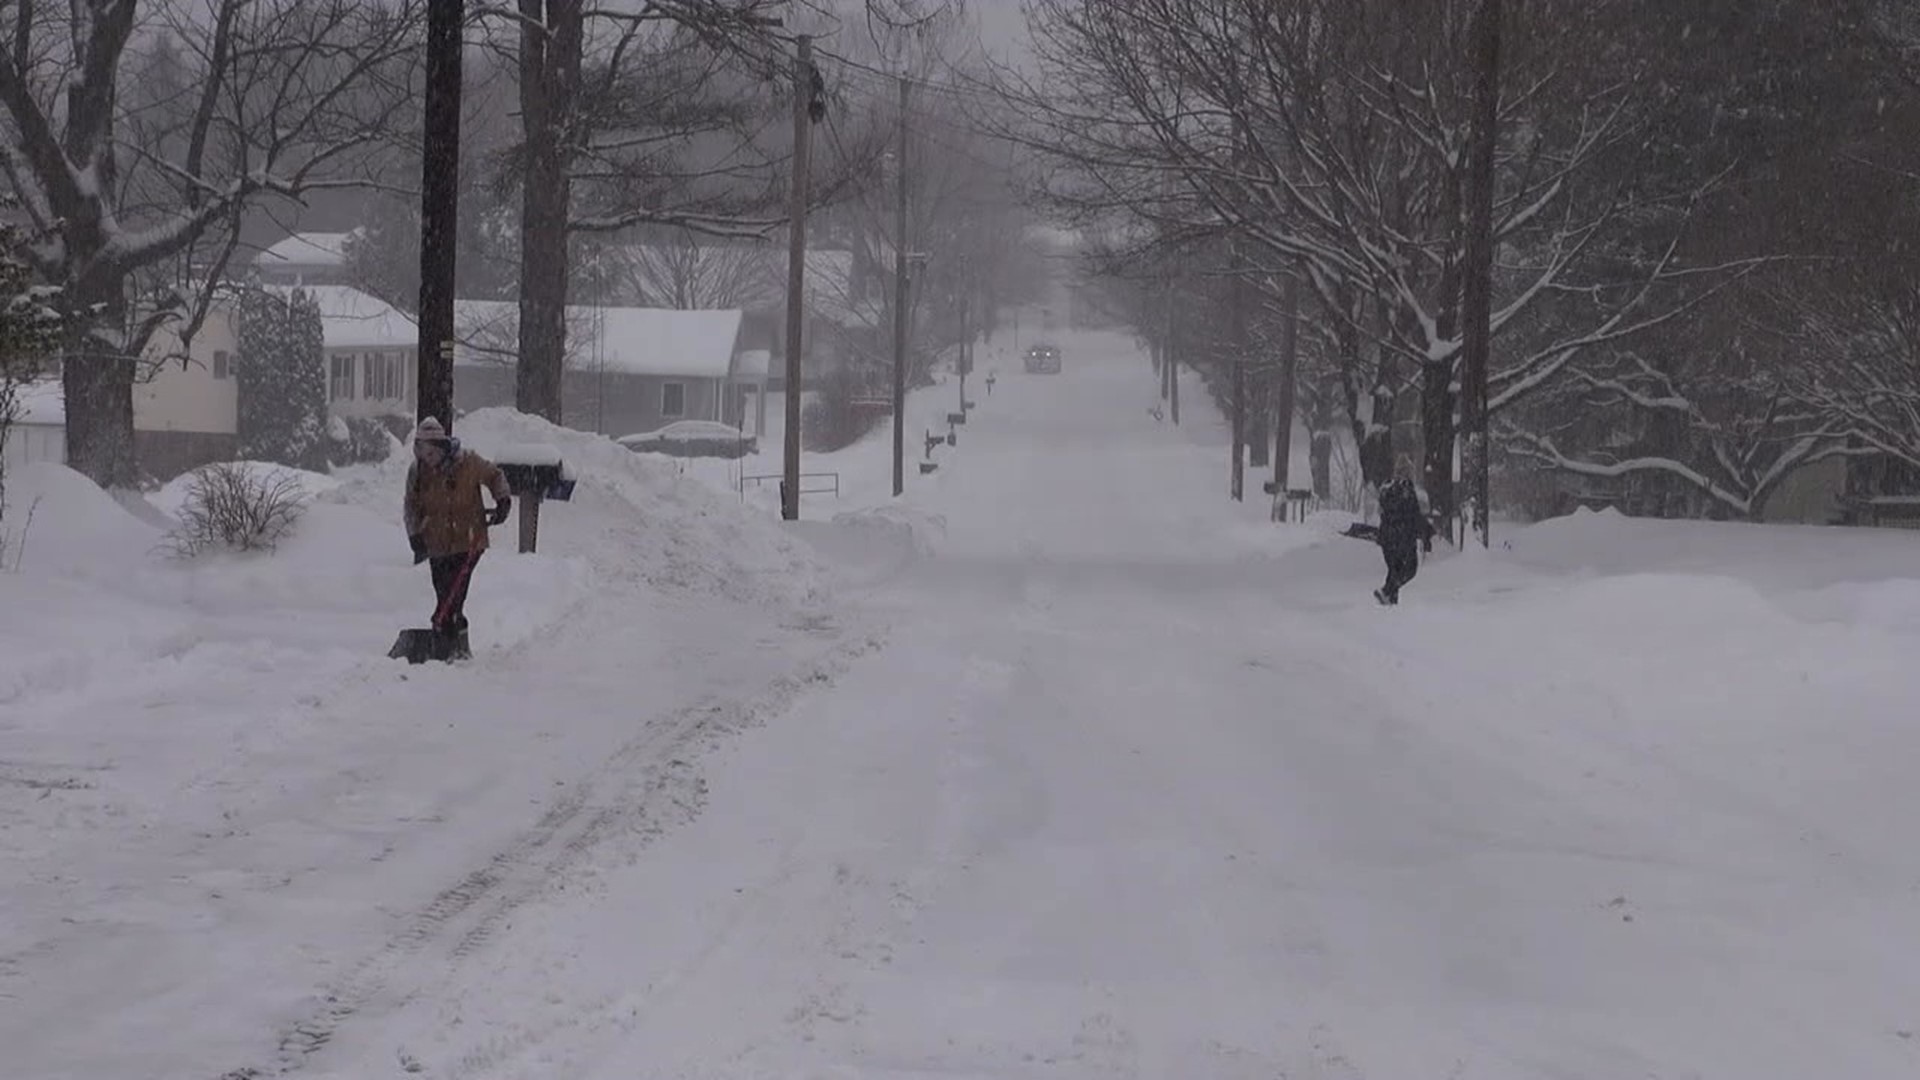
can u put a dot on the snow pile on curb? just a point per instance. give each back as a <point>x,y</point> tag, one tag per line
<point>632,517</point>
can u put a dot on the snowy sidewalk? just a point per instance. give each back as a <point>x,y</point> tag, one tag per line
<point>228,824</point>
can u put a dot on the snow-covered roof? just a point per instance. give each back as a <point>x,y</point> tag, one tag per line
<point>355,320</point>
<point>628,341</point>
<point>41,403</point>
<point>314,249</point>
<point>754,364</point>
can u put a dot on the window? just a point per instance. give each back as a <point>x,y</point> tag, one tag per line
<point>673,399</point>
<point>340,384</point>
<point>222,365</point>
<point>384,377</point>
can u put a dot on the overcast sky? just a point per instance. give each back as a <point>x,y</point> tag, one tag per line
<point>1003,28</point>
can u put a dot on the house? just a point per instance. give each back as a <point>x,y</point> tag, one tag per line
<point>629,370</point>
<point>310,258</point>
<point>371,353</point>
<point>844,309</point>
<point>186,403</point>
<point>38,432</point>
<point>1858,489</point>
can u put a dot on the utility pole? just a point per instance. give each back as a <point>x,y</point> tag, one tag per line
<point>439,211</point>
<point>900,303</point>
<point>1477,305</point>
<point>964,361</point>
<point>797,275</point>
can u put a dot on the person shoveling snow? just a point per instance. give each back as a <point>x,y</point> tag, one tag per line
<point>1402,525</point>
<point>447,526</point>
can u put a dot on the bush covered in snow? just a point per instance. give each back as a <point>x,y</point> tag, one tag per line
<point>363,440</point>
<point>230,506</point>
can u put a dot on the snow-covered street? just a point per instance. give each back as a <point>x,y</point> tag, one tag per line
<point>1100,775</point>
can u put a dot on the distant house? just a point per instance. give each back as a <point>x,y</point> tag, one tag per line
<point>38,432</point>
<point>312,258</point>
<point>629,370</point>
<point>186,405</point>
<point>1860,489</point>
<point>371,347</point>
<point>843,310</point>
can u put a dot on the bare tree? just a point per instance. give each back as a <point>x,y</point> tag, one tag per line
<point>1333,136</point>
<point>644,114</point>
<point>687,271</point>
<point>276,98</point>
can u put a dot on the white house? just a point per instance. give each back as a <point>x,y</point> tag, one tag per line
<point>38,432</point>
<point>309,258</point>
<point>370,349</point>
<point>186,404</point>
<point>629,370</point>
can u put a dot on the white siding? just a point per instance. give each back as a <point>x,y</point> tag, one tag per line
<point>190,397</point>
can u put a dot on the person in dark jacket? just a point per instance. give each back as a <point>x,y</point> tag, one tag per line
<point>446,520</point>
<point>1402,525</point>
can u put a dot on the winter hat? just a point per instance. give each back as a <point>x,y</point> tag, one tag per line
<point>430,430</point>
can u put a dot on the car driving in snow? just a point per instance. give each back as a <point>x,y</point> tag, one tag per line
<point>1043,360</point>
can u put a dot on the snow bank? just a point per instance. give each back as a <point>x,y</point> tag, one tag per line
<point>67,525</point>
<point>630,518</point>
<point>172,498</point>
<point>99,624</point>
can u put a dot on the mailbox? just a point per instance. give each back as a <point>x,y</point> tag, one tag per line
<point>534,474</point>
<point>549,481</point>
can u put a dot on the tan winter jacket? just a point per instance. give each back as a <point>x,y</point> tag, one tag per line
<point>443,503</point>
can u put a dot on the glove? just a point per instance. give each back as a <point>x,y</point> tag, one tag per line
<point>498,515</point>
<point>419,544</point>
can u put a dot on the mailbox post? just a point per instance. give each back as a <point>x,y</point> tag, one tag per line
<point>534,474</point>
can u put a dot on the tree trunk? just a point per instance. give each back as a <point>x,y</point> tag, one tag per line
<point>1285,382</point>
<point>1437,398</point>
<point>1259,419</point>
<point>98,385</point>
<point>1478,300</point>
<point>550,44</point>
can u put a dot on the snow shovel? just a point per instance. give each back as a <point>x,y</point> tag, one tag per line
<point>421,644</point>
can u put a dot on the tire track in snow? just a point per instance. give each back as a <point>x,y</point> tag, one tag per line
<point>462,918</point>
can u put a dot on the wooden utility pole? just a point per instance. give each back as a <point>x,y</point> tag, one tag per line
<point>963,360</point>
<point>1477,294</point>
<point>797,275</point>
<point>900,302</point>
<point>439,211</point>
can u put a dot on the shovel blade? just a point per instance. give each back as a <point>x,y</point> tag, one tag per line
<point>418,646</point>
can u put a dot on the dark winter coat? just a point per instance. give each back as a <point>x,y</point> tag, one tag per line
<point>443,504</point>
<point>1402,524</point>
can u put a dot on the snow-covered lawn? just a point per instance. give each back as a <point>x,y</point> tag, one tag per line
<point>1063,766</point>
